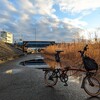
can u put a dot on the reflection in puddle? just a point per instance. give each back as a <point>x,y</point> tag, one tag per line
<point>13,71</point>
<point>37,66</point>
<point>75,79</point>
<point>8,71</point>
<point>33,62</point>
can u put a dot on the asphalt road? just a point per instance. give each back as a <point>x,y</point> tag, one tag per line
<point>19,82</point>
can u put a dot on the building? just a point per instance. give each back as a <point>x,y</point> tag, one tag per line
<point>6,36</point>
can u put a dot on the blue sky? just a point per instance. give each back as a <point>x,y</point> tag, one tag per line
<point>57,20</point>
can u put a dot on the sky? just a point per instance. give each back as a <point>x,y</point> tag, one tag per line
<point>50,20</point>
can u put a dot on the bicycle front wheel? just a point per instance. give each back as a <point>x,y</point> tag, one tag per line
<point>50,78</point>
<point>91,86</point>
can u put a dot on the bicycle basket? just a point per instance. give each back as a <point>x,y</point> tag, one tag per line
<point>90,64</point>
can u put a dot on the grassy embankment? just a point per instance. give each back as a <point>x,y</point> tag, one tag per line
<point>8,52</point>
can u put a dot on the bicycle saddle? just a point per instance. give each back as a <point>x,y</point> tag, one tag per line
<point>58,51</point>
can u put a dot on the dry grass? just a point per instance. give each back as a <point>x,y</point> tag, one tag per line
<point>70,56</point>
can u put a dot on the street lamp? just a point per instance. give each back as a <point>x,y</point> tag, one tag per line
<point>35,36</point>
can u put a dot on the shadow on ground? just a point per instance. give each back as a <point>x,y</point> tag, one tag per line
<point>93,98</point>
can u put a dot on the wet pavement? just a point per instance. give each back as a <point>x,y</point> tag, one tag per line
<point>19,82</point>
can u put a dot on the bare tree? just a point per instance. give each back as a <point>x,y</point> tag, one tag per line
<point>96,37</point>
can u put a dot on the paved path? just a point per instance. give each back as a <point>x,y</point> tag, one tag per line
<point>19,82</point>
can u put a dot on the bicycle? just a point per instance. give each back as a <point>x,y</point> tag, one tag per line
<point>90,83</point>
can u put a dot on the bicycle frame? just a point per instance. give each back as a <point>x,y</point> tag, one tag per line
<point>88,75</point>
<point>57,73</point>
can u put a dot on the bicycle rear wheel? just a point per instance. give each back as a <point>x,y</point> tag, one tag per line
<point>91,86</point>
<point>50,78</point>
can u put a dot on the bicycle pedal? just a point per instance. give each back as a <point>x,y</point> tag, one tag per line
<point>65,84</point>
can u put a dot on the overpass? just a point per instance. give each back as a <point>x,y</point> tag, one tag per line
<point>35,44</point>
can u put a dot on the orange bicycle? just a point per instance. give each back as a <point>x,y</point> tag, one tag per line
<point>90,83</point>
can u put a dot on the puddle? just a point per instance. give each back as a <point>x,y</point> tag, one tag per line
<point>75,79</point>
<point>33,62</point>
<point>13,71</point>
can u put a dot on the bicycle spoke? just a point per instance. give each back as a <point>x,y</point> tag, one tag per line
<point>50,78</point>
<point>92,86</point>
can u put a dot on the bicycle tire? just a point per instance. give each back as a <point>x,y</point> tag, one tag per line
<point>50,78</point>
<point>92,83</point>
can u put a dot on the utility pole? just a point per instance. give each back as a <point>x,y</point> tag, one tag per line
<point>20,37</point>
<point>35,36</point>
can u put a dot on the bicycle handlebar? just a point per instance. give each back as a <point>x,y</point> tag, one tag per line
<point>84,49</point>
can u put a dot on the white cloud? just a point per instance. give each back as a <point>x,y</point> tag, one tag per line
<point>19,18</point>
<point>77,6</point>
<point>75,22</point>
<point>6,4</point>
<point>36,6</point>
<point>24,17</point>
